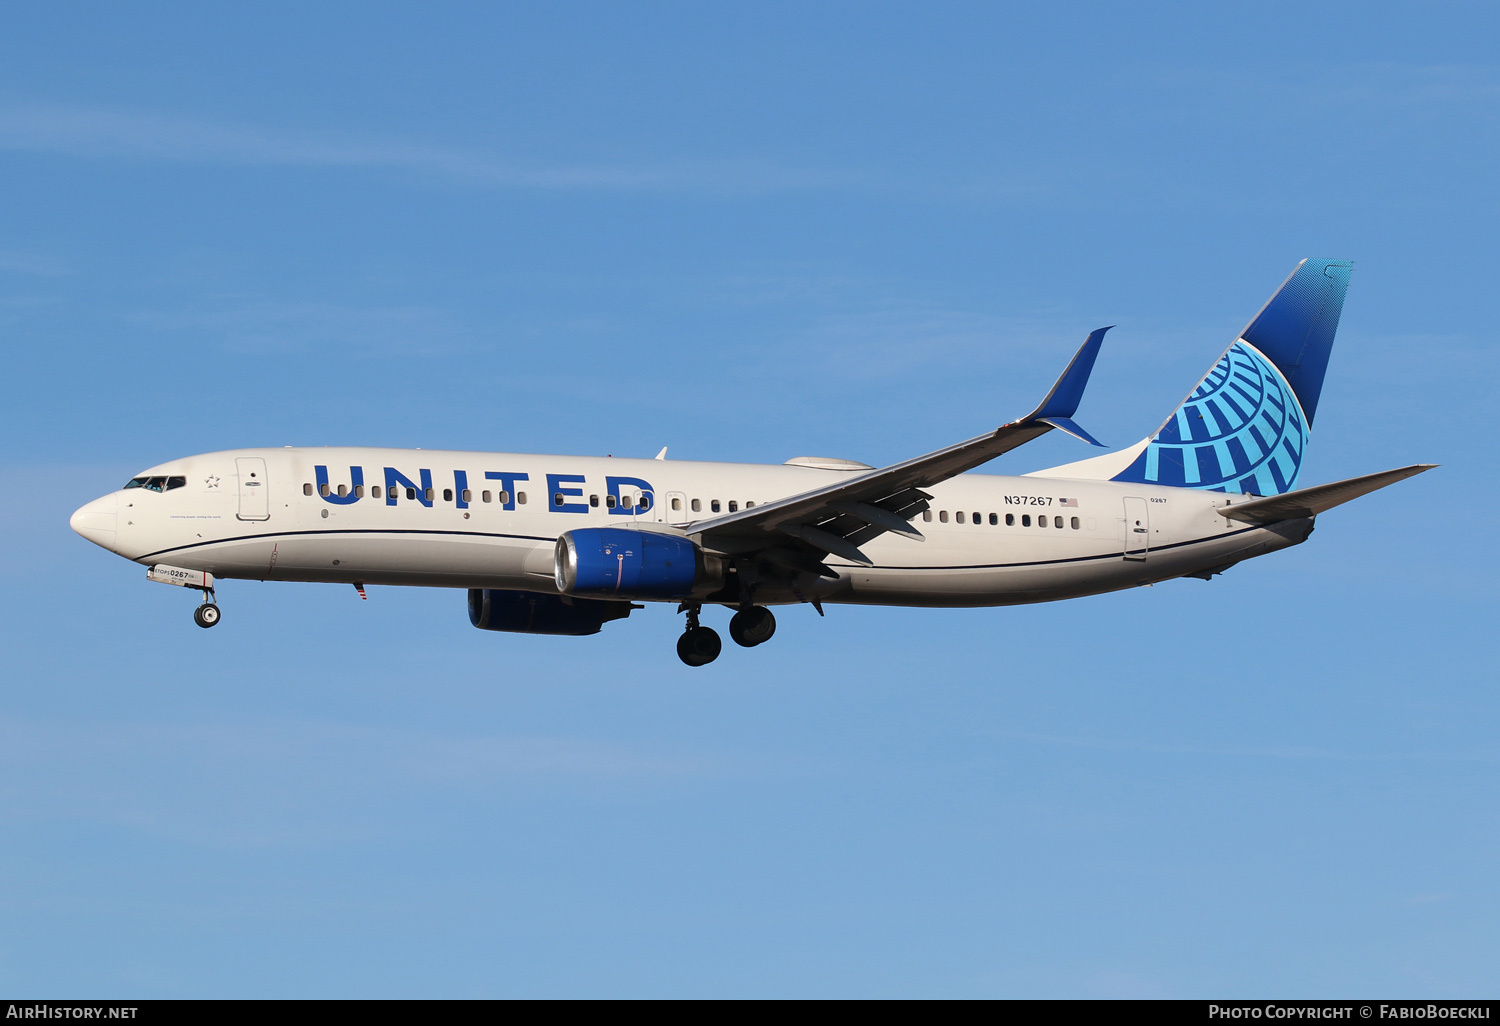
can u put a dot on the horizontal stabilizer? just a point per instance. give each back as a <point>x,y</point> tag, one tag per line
<point>1307,502</point>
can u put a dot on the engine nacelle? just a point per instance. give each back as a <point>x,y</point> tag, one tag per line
<point>525,612</point>
<point>626,564</point>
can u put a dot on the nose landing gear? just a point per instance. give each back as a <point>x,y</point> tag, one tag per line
<point>207,614</point>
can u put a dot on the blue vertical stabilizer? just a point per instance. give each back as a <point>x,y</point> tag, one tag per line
<point>1245,427</point>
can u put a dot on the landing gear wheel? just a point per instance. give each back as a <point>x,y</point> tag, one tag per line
<point>206,615</point>
<point>699,646</point>
<point>753,626</point>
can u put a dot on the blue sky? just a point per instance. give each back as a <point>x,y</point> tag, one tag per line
<point>747,233</point>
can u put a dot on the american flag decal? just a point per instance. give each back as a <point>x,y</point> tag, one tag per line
<point>1068,502</point>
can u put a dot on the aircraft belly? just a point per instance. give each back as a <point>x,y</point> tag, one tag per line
<point>1060,577</point>
<point>397,558</point>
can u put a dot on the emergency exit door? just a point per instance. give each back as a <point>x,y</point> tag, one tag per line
<point>255,492</point>
<point>1137,540</point>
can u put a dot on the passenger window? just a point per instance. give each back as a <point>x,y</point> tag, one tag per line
<point>447,494</point>
<point>1025,519</point>
<point>468,496</point>
<point>485,496</point>
<point>427,494</point>
<point>324,490</point>
<point>503,498</point>
<point>1010,520</point>
<point>697,505</point>
<point>557,499</point>
<point>749,505</point>
<point>175,482</point>
<point>958,517</point>
<point>626,501</point>
<point>994,520</point>
<point>609,502</point>
<point>359,491</point>
<point>714,505</point>
<point>343,491</point>
<point>411,493</point>
<point>140,482</point>
<point>1057,522</point>
<point>594,501</point>
<point>306,489</point>
<point>375,491</point>
<point>943,515</point>
<point>521,498</point>
<point>927,516</point>
<point>1075,523</point>
<point>734,507</point>
<point>676,503</point>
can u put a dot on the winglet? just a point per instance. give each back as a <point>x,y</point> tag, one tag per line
<point>1068,427</point>
<point>1062,402</point>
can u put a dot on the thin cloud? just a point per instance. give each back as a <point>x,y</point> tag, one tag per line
<point>98,133</point>
<point>271,326</point>
<point>20,262</point>
<point>312,781</point>
<point>1291,753</point>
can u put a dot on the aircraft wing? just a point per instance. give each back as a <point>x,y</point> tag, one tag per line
<point>1307,502</point>
<point>798,530</point>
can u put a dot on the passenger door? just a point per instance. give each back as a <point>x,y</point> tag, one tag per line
<point>255,491</point>
<point>1137,540</point>
<point>675,508</point>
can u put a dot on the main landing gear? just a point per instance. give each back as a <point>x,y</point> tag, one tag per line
<point>699,645</point>
<point>752,626</point>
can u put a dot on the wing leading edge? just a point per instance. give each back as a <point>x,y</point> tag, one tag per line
<point>796,531</point>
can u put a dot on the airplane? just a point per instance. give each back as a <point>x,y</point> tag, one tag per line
<point>563,545</point>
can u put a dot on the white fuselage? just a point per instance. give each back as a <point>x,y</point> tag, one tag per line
<point>262,514</point>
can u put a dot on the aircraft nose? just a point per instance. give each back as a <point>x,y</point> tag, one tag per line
<point>96,521</point>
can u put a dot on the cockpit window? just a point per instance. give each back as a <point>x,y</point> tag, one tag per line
<point>156,484</point>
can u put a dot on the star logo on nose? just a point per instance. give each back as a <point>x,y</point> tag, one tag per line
<point>211,481</point>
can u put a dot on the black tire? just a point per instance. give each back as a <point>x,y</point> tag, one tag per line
<point>206,615</point>
<point>751,627</point>
<point>699,646</point>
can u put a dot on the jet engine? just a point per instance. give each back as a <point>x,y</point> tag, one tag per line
<point>525,612</point>
<point>626,564</point>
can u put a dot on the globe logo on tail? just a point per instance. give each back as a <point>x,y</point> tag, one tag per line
<point>1242,430</point>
